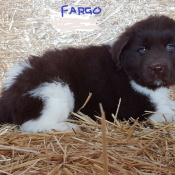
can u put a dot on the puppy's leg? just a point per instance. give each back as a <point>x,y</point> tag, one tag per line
<point>58,103</point>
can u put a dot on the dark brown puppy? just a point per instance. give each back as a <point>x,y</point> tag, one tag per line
<point>40,93</point>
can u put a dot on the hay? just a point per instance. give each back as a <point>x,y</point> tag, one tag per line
<point>131,149</point>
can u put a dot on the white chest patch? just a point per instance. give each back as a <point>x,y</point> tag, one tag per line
<point>160,99</point>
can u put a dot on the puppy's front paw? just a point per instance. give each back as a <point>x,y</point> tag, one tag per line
<point>162,117</point>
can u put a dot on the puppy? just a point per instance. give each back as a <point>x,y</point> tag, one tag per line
<point>40,93</point>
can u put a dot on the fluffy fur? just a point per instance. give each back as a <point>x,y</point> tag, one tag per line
<point>138,68</point>
<point>58,101</point>
<point>14,72</point>
<point>160,98</point>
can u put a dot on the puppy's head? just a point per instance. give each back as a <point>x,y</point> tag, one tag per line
<point>146,52</point>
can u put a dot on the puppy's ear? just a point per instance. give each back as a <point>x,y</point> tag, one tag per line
<point>117,49</point>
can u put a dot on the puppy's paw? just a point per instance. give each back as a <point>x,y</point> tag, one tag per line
<point>66,126</point>
<point>162,117</point>
<point>62,126</point>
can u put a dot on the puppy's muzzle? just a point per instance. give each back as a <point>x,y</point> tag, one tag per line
<point>157,69</point>
<point>159,74</point>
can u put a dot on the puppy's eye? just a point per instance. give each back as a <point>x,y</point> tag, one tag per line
<point>170,47</point>
<point>142,50</point>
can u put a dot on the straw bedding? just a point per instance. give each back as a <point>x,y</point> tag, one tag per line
<point>131,149</point>
<point>116,148</point>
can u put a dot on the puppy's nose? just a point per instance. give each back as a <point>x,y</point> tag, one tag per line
<point>157,69</point>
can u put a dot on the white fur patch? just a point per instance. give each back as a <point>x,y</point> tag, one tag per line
<point>58,103</point>
<point>160,98</point>
<point>16,70</point>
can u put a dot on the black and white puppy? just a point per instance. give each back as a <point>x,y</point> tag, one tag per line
<point>40,93</point>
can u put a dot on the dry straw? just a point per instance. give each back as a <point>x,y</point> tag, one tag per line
<point>127,149</point>
<point>116,148</point>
